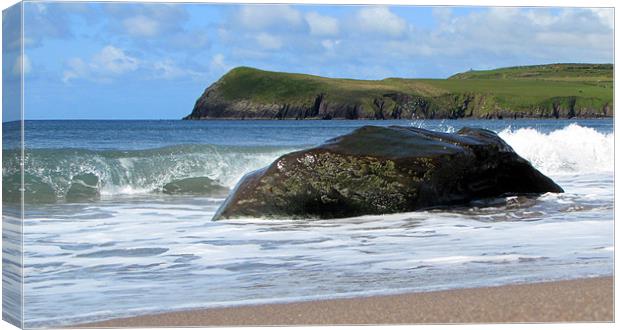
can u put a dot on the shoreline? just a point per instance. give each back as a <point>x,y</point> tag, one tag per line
<point>578,300</point>
<point>389,119</point>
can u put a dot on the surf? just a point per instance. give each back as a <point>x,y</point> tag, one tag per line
<point>54,174</point>
<point>572,149</point>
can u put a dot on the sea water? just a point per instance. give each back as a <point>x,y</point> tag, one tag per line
<point>138,251</point>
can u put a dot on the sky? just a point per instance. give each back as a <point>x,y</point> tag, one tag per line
<point>152,61</point>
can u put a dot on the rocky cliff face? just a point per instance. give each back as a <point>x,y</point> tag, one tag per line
<point>212,105</point>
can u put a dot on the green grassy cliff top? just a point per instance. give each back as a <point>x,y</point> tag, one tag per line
<point>556,72</point>
<point>516,85</point>
<point>268,86</point>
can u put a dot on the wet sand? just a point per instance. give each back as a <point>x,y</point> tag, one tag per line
<point>582,300</point>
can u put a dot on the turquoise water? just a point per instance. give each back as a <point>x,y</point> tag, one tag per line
<point>135,250</point>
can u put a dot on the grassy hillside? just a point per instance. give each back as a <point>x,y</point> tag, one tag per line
<point>557,72</point>
<point>266,86</point>
<point>586,88</point>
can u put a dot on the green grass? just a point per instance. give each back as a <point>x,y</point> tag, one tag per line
<point>514,88</point>
<point>524,91</point>
<point>266,86</point>
<point>555,72</point>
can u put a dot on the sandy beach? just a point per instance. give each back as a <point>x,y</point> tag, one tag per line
<point>582,300</point>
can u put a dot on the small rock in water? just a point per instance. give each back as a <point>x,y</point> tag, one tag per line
<point>195,186</point>
<point>516,202</point>
<point>379,170</point>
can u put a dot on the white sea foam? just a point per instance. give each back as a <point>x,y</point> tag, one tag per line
<point>162,250</point>
<point>572,149</point>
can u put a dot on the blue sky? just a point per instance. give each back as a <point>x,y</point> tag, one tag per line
<point>152,61</point>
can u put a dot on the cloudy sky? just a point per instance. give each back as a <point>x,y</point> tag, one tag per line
<point>151,61</point>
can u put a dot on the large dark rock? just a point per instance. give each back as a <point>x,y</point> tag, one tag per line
<point>378,170</point>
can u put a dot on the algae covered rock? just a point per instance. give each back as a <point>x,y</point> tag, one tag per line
<point>379,170</point>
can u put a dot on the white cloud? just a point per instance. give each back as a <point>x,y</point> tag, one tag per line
<point>46,22</point>
<point>114,60</point>
<point>218,63</point>
<point>501,37</point>
<point>442,14</point>
<point>562,39</point>
<point>541,19</point>
<point>110,61</point>
<point>268,41</point>
<point>168,69</point>
<point>321,25</point>
<point>189,40</point>
<point>76,68</point>
<point>260,17</point>
<point>380,20</point>
<point>329,44</point>
<point>141,26</point>
<point>606,15</point>
<point>22,62</point>
<point>156,27</point>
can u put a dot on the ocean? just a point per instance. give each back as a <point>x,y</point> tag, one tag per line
<point>137,250</point>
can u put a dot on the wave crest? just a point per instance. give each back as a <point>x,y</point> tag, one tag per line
<point>55,172</point>
<point>572,149</point>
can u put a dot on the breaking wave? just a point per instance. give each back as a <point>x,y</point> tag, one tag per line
<point>53,174</point>
<point>62,174</point>
<point>572,149</point>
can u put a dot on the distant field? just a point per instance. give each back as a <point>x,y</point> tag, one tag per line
<point>523,92</point>
<point>556,72</point>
